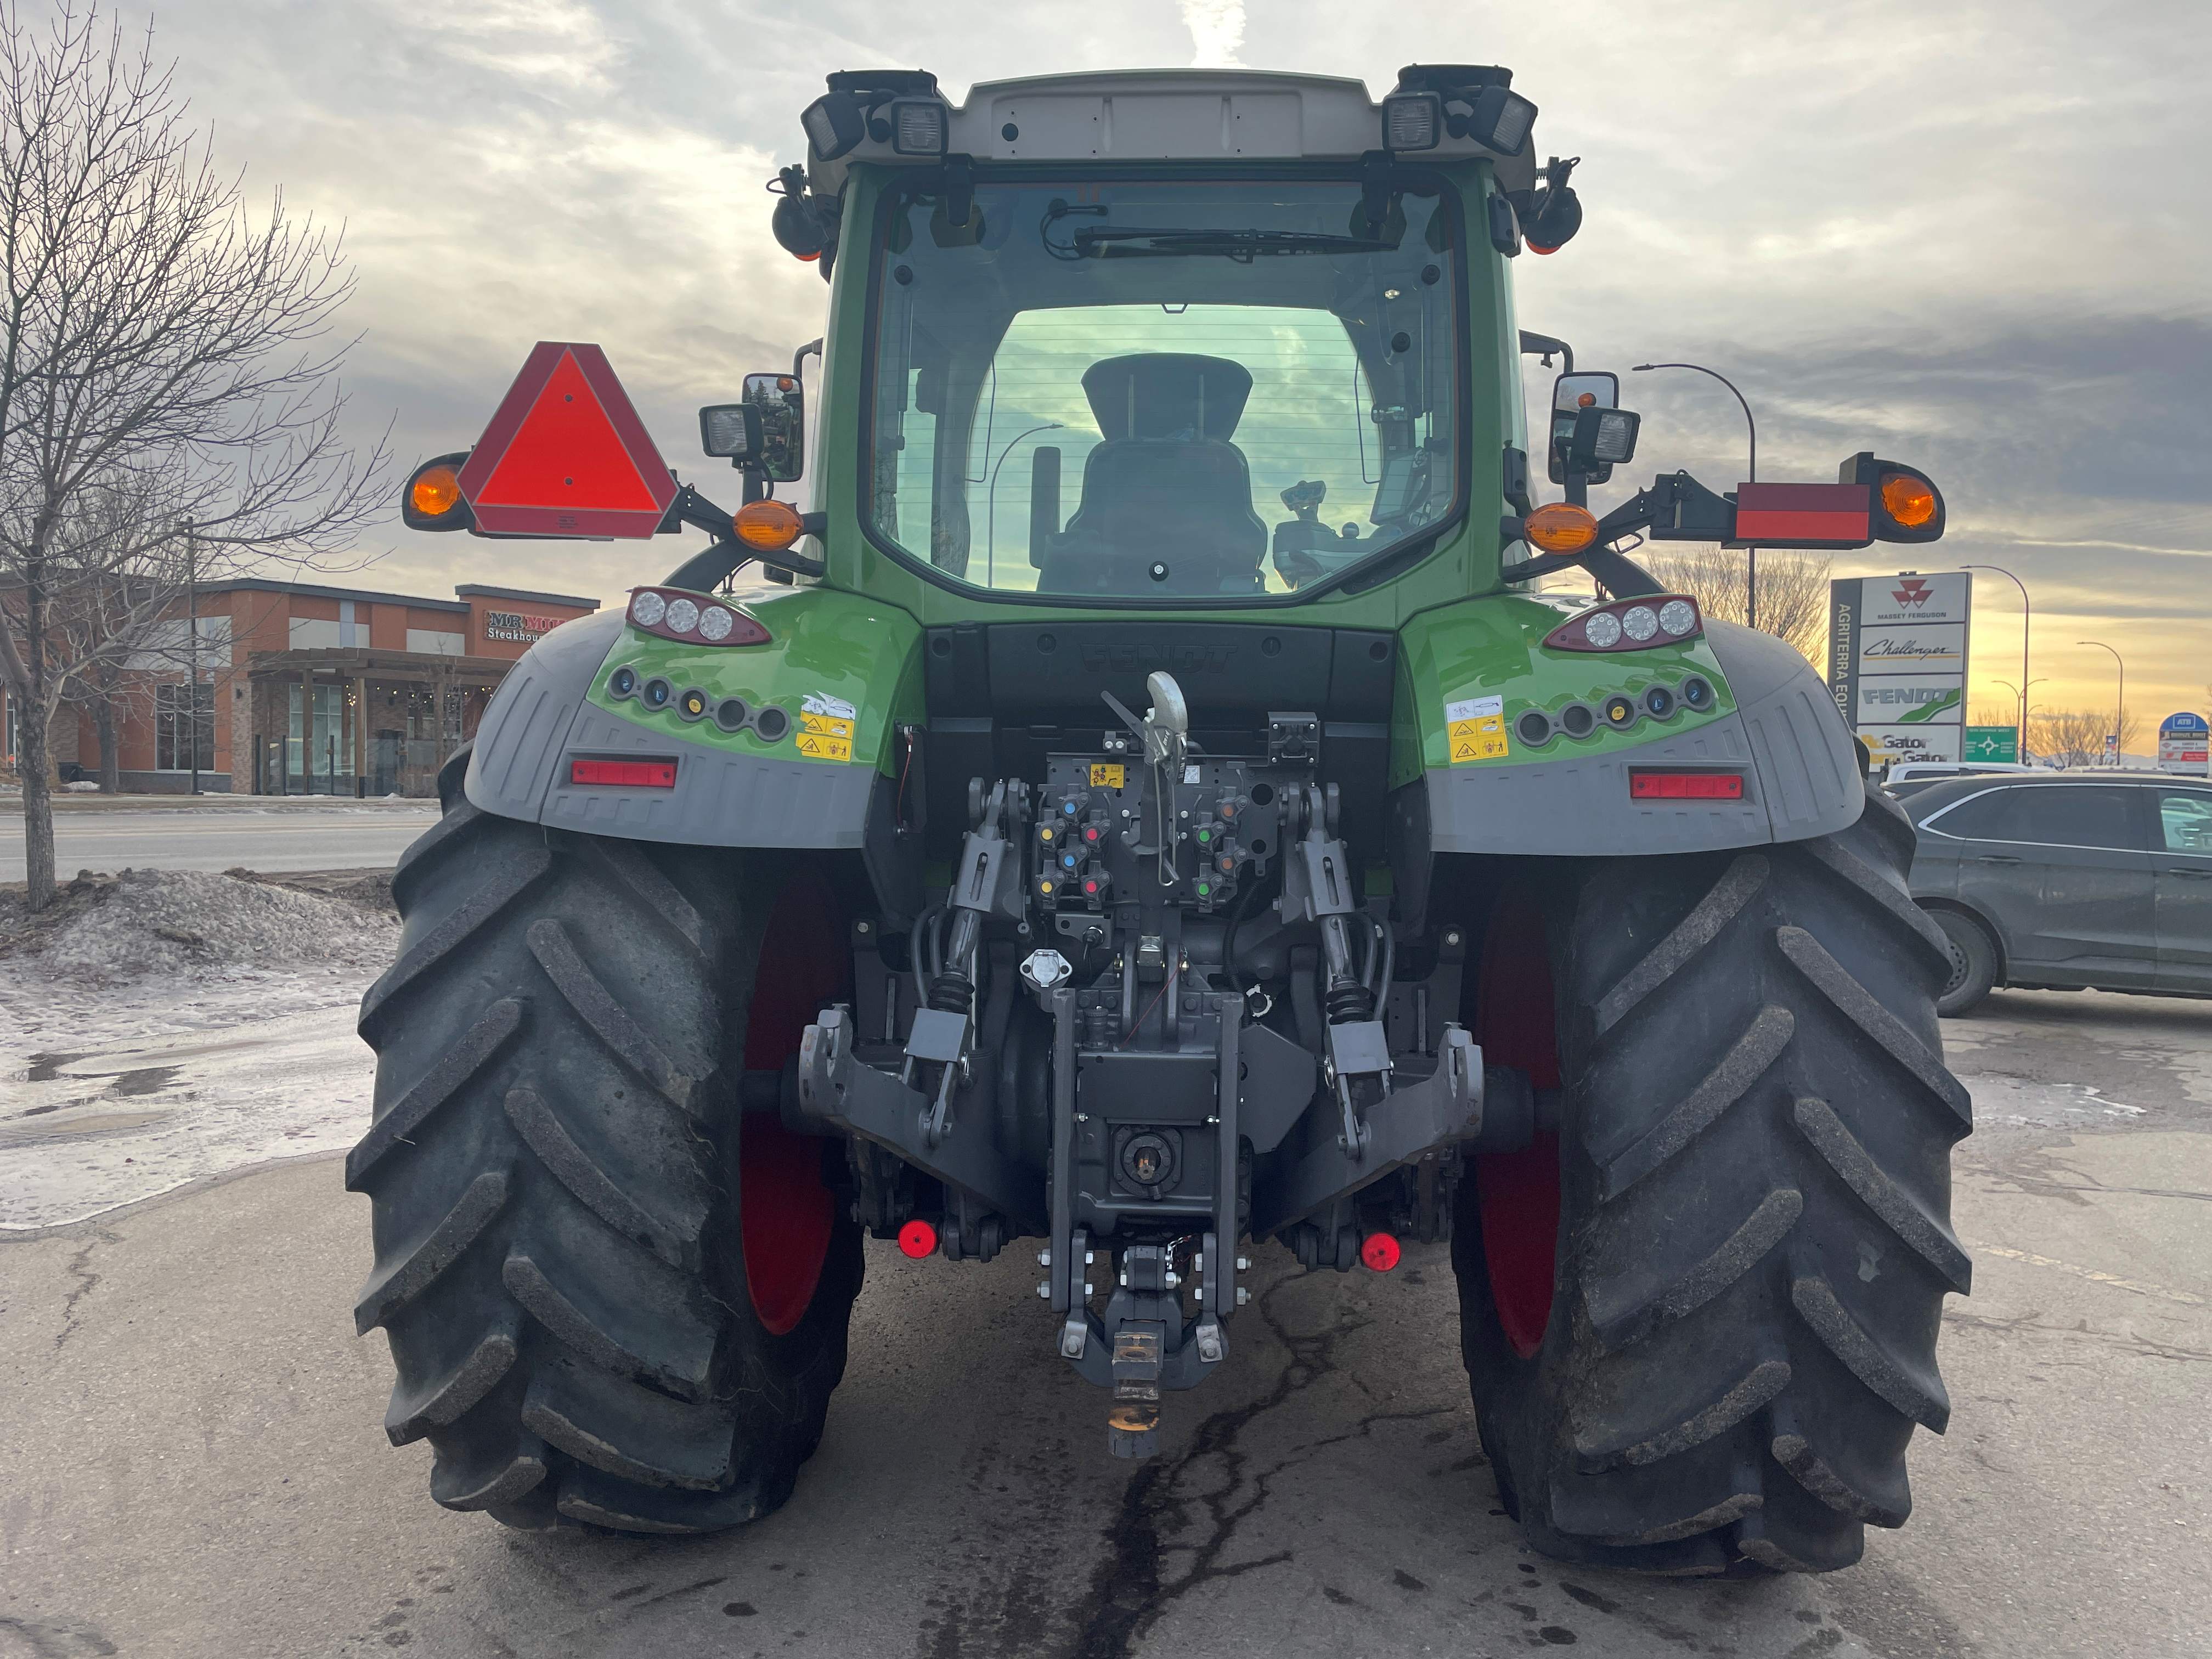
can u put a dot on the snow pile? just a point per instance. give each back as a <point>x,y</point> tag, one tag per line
<point>175,922</point>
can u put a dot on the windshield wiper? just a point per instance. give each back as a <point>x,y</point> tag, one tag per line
<point>1099,242</point>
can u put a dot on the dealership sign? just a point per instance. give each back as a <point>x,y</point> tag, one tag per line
<point>2185,744</point>
<point>1897,662</point>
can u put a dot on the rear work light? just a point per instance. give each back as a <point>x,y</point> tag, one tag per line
<point>1412,121</point>
<point>1645,785</point>
<point>625,774</point>
<point>1629,625</point>
<point>694,618</point>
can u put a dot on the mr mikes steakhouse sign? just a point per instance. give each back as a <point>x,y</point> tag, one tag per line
<point>517,627</point>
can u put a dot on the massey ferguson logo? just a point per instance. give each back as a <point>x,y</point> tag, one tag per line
<point>1145,658</point>
<point>1912,592</point>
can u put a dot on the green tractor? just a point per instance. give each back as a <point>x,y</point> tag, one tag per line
<point>1159,820</point>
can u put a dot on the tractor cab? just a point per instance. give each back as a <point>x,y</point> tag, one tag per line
<point>1192,337</point>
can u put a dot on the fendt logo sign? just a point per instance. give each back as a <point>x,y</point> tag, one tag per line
<point>1897,662</point>
<point>517,627</point>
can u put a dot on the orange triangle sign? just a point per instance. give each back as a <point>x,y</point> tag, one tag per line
<point>566,455</point>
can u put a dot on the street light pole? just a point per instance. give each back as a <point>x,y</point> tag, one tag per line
<point>1751,554</point>
<point>2026,616</point>
<point>2019,701</point>
<point>991,500</point>
<point>191,658</point>
<point>2120,716</point>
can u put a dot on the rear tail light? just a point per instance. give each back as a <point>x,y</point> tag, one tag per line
<point>1380,1252</point>
<point>625,774</point>
<point>1629,625</point>
<point>917,1239</point>
<point>1648,785</point>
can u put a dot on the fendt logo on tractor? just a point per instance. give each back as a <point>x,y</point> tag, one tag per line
<point>1197,838</point>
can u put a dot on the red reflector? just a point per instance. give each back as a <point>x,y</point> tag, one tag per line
<point>1803,513</point>
<point>629,774</point>
<point>1685,786</point>
<point>917,1239</point>
<point>1379,1251</point>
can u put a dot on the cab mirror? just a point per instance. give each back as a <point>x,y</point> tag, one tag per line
<point>782,406</point>
<point>1573,397</point>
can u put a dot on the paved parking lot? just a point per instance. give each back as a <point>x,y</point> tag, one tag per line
<point>193,1464</point>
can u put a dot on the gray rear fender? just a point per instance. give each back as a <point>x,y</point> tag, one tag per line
<point>540,715</point>
<point>1803,775</point>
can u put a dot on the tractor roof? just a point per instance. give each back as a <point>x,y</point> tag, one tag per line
<point>1105,117</point>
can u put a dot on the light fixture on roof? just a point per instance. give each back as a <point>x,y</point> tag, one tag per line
<point>1413,120</point>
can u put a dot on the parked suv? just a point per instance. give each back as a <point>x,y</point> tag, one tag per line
<point>2067,880</point>
<point>1910,777</point>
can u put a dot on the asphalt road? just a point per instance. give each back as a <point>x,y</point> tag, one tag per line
<point>194,1465</point>
<point>216,838</point>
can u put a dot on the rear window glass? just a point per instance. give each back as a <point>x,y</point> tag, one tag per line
<point>2185,819</point>
<point>2052,815</point>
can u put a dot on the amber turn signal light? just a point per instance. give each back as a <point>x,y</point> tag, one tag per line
<point>768,526</point>
<point>434,491</point>
<point>1559,527</point>
<point>432,499</point>
<point>1910,500</point>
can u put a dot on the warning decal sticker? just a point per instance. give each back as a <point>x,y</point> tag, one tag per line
<point>1105,775</point>
<point>1475,728</point>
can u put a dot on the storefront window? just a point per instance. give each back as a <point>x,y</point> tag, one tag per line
<point>184,728</point>
<point>320,736</point>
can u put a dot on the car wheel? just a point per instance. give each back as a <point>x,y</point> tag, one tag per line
<point>1973,963</point>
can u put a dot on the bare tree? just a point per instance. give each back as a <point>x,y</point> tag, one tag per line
<point>157,341</point>
<point>2076,737</point>
<point>1793,589</point>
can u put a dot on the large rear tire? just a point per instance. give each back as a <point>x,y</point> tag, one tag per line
<point>611,1295</point>
<point>1735,1337</point>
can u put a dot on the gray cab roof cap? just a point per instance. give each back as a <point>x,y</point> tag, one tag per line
<point>1098,116</point>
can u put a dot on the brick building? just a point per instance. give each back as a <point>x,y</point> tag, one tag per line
<point>308,689</point>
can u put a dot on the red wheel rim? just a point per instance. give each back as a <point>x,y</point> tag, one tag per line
<point>785,1210</point>
<point>1519,1192</point>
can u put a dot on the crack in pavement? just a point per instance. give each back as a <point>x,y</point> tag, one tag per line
<point>2031,1322</point>
<point>1128,1595</point>
<point>76,1269</point>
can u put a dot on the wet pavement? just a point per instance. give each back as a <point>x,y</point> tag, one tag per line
<point>358,835</point>
<point>194,1464</point>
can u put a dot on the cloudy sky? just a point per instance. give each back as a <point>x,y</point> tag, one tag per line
<point>1972,235</point>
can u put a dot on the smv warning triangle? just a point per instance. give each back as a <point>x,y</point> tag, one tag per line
<point>565,453</point>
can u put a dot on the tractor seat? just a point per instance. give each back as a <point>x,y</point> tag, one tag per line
<point>1165,487</point>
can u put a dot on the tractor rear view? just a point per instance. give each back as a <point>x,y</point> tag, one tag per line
<point>1247,856</point>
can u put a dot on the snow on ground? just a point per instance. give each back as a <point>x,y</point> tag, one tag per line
<point>174,1025</point>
